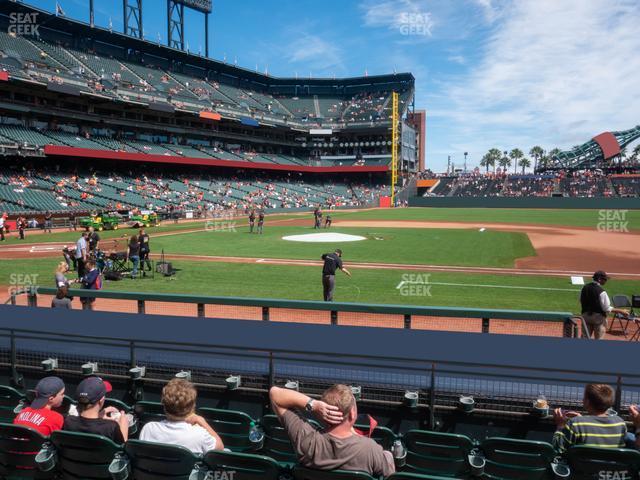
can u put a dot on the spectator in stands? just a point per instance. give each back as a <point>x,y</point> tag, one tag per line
<point>61,300</point>
<point>182,426</point>
<point>596,305</point>
<point>49,394</point>
<point>634,411</point>
<point>90,281</point>
<point>598,428</point>
<point>93,418</point>
<point>82,253</point>
<point>133,254</point>
<point>337,446</point>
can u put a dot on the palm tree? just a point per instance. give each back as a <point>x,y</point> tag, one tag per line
<point>525,163</point>
<point>486,161</point>
<point>537,153</point>
<point>515,155</point>
<point>549,157</point>
<point>495,155</point>
<point>504,162</point>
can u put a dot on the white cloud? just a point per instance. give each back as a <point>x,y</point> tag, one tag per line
<point>315,53</point>
<point>491,9</point>
<point>407,17</point>
<point>553,73</point>
<point>459,59</point>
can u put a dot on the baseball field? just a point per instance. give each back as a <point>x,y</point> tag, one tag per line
<point>486,258</point>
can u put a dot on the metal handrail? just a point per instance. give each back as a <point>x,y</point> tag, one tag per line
<point>481,313</point>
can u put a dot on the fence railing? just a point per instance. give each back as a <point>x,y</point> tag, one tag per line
<point>335,313</point>
<point>439,379</point>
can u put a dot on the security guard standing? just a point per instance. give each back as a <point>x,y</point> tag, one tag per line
<point>332,261</point>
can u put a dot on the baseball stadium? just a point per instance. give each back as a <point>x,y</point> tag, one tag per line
<point>286,247</point>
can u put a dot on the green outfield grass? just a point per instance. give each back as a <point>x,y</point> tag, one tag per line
<point>366,286</point>
<point>386,245</point>
<point>564,217</point>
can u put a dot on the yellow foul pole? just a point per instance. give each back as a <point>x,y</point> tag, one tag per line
<point>394,146</point>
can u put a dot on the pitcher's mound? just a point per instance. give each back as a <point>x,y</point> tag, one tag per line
<point>324,237</point>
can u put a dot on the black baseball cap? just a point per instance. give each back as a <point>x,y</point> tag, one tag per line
<point>47,387</point>
<point>338,251</point>
<point>601,275</point>
<point>92,389</point>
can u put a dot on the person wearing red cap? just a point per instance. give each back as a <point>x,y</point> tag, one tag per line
<point>39,414</point>
<point>93,418</point>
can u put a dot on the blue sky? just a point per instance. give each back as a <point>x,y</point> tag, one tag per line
<point>489,73</point>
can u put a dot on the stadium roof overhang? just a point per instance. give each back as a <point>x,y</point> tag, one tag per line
<point>61,151</point>
<point>47,20</point>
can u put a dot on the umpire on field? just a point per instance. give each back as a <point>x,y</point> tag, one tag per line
<point>332,261</point>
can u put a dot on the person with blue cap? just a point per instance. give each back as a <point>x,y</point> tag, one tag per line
<point>39,415</point>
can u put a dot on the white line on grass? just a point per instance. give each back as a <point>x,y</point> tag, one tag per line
<point>404,282</point>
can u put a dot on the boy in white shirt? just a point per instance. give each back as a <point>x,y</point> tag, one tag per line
<point>182,426</point>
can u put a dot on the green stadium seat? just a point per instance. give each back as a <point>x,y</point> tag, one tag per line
<point>382,435</point>
<point>435,453</point>
<point>83,456</point>
<point>508,459</point>
<point>18,448</point>
<point>157,461</point>
<point>418,476</point>
<point>245,466</point>
<point>587,462</point>
<point>9,400</point>
<point>276,441</point>
<point>303,473</point>
<point>232,426</point>
<point>119,404</point>
<point>149,412</point>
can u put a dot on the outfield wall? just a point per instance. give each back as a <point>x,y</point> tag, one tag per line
<point>527,202</point>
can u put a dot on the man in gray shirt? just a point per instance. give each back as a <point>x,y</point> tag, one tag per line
<point>338,446</point>
<point>82,253</point>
